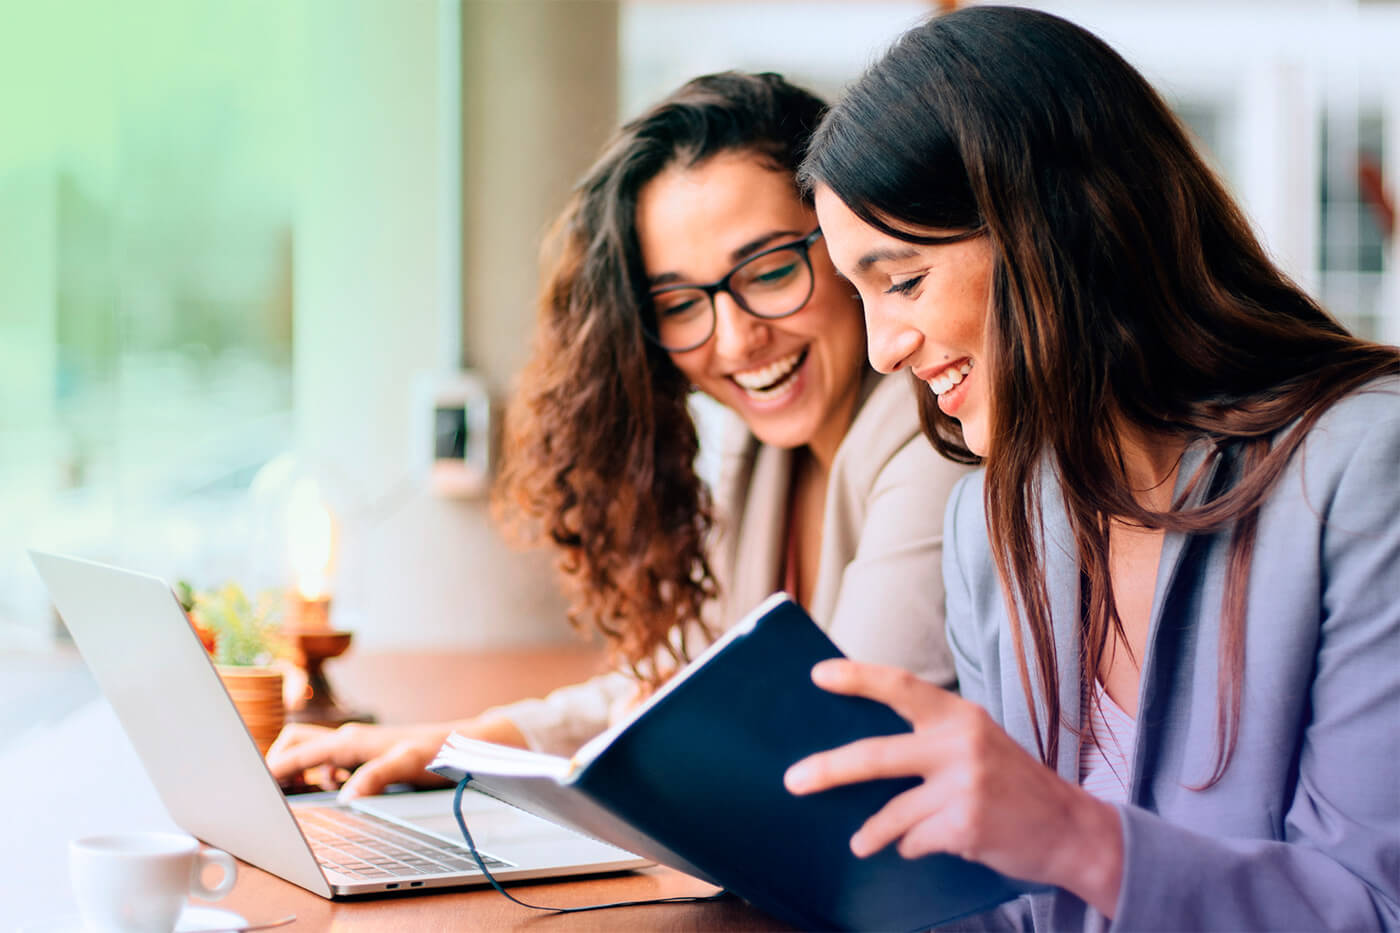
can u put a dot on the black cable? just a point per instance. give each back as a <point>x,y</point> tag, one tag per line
<point>481,864</point>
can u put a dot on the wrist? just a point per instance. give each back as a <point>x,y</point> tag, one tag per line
<point>493,727</point>
<point>1093,866</point>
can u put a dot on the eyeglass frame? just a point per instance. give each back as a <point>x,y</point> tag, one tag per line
<point>802,245</point>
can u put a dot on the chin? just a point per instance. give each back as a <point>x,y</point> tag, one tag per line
<point>784,436</point>
<point>975,440</point>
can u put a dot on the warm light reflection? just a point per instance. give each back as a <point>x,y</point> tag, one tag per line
<point>310,541</point>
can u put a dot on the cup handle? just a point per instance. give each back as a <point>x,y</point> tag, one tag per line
<point>225,862</point>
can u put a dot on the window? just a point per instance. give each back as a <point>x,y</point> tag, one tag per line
<point>147,312</point>
<point>1352,241</point>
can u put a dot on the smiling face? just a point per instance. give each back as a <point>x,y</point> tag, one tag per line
<point>926,308</point>
<point>794,380</point>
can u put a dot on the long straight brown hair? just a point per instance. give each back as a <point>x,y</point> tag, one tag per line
<point>1128,292</point>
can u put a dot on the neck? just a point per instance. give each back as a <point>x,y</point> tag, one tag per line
<point>827,440</point>
<point>821,450</point>
<point>1150,462</point>
<point>808,467</point>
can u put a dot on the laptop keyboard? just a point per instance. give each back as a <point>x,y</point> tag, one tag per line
<point>368,848</point>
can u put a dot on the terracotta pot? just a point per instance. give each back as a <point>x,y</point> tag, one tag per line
<point>257,693</point>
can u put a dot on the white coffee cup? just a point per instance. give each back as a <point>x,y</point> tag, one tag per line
<point>138,882</point>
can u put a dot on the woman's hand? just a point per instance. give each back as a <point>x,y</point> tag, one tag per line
<point>626,704</point>
<point>983,797</point>
<point>378,755</point>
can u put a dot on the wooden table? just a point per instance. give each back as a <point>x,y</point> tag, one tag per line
<point>259,895</point>
<point>111,793</point>
<point>407,687</point>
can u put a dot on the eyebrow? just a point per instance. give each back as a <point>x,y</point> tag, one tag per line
<point>884,255</point>
<point>735,256</point>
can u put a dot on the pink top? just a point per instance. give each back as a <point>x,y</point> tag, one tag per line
<point>1103,758</point>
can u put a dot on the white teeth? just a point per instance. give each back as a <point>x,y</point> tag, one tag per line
<point>762,381</point>
<point>950,377</point>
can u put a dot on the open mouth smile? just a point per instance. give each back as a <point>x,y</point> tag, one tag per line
<point>950,376</point>
<point>772,379</point>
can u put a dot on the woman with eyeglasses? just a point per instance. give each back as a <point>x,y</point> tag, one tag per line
<point>1173,592</point>
<point>687,262</point>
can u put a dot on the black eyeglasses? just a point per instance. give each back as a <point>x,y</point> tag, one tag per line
<point>769,285</point>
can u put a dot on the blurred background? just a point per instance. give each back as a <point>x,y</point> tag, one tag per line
<point>249,249</point>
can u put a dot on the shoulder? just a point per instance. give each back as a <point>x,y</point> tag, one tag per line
<point>1338,499</point>
<point>885,443</point>
<point>966,523</point>
<point>1370,415</point>
<point>1355,444</point>
<point>886,418</point>
<point>968,564</point>
<point>969,567</point>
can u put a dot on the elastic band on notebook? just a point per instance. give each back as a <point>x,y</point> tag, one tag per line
<point>481,864</point>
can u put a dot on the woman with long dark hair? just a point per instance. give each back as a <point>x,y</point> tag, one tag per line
<point>688,260</point>
<point>1173,592</point>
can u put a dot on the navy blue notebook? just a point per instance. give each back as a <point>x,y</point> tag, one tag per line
<point>694,780</point>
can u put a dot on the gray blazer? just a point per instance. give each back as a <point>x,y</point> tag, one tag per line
<point>1303,831</point>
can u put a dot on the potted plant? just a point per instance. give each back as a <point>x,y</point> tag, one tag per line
<point>244,637</point>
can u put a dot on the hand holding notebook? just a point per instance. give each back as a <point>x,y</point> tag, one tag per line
<point>693,779</point>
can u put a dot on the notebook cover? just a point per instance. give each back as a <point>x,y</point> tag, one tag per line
<point>702,771</point>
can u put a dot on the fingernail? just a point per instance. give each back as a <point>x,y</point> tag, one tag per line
<point>824,672</point>
<point>797,778</point>
<point>860,845</point>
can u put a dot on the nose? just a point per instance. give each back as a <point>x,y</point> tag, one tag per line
<point>737,333</point>
<point>890,341</point>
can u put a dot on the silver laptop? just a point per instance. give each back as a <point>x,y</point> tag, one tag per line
<point>162,685</point>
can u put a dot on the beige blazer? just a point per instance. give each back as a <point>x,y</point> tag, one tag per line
<point>879,592</point>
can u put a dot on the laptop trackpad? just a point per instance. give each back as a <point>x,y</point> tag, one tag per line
<point>493,824</point>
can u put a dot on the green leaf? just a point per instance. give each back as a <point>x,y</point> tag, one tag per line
<point>247,633</point>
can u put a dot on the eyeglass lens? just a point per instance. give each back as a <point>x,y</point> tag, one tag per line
<point>770,285</point>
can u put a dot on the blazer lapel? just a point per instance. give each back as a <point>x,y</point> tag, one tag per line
<point>1062,589</point>
<point>1062,586</point>
<point>879,424</point>
<point>1174,543</point>
<point>759,543</point>
<point>1164,642</point>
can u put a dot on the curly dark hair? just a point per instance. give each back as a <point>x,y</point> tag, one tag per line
<point>599,447</point>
